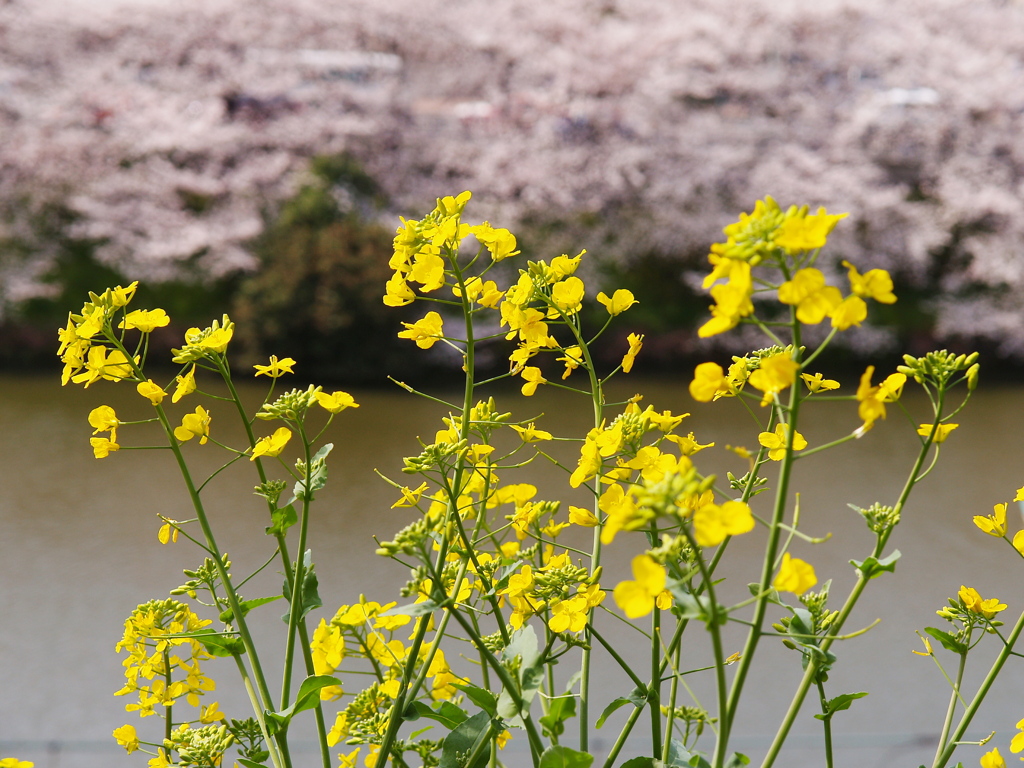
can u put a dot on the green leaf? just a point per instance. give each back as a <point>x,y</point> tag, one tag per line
<point>949,642</point>
<point>282,519</point>
<point>461,741</point>
<point>246,606</point>
<point>449,715</point>
<point>318,478</point>
<point>637,697</point>
<point>872,567</point>
<point>738,760</point>
<point>523,643</point>
<point>839,703</point>
<point>642,762</point>
<point>559,710</point>
<point>307,698</point>
<point>563,757</point>
<point>310,589</point>
<point>486,700</point>
<point>412,609</point>
<point>215,643</point>
<point>250,763</point>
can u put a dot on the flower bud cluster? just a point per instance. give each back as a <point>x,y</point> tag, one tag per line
<point>940,367</point>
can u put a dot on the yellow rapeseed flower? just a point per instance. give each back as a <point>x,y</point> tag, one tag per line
<point>195,424</point>
<point>776,441</point>
<point>941,432</point>
<point>530,434</point>
<point>808,292</point>
<point>708,382</point>
<point>186,384</point>
<point>993,759</point>
<point>974,602</point>
<point>336,402</point>
<point>806,232</point>
<point>533,378</point>
<point>145,320</point>
<point>567,295</point>
<point>125,736</point>
<point>874,284</point>
<point>618,302</point>
<point>795,575</point>
<point>151,391</point>
<point>636,342</point>
<point>271,445</point>
<point>815,383</point>
<point>776,373</point>
<point>712,523</point>
<point>638,597</point>
<point>276,368</point>
<point>425,332</point>
<point>995,523</point>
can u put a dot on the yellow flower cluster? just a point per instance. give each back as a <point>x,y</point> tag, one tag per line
<point>88,348</point>
<point>427,258</point>
<point>786,242</point>
<point>156,655</point>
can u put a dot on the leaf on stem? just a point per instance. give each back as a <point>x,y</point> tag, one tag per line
<point>228,615</point>
<point>460,742</point>
<point>839,703</point>
<point>563,757</point>
<point>872,567</point>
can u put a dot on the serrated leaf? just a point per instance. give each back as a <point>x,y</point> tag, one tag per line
<point>246,606</point>
<point>282,519</point>
<point>461,741</point>
<point>872,567</point>
<point>563,757</point>
<point>949,642</point>
<point>637,697</point>
<point>486,700</point>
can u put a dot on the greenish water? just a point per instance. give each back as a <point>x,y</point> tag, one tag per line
<point>78,551</point>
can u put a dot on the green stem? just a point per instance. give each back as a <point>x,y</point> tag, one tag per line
<point>761,607</point>
<point>826,721</point>
<point>623,735</point>
<point>299,576</point>
<point>948,722</point>
<point>654,694</point>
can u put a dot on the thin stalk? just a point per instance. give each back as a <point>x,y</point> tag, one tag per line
<point>771,549</point>
<point>654,694</point>
<point>948,722</point>
<point>673,692</point>
<point>299,575</point>
<point>826,721</point>
<point>623,735</point>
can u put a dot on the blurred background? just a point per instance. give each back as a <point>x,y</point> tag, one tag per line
<point>253,158</point>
